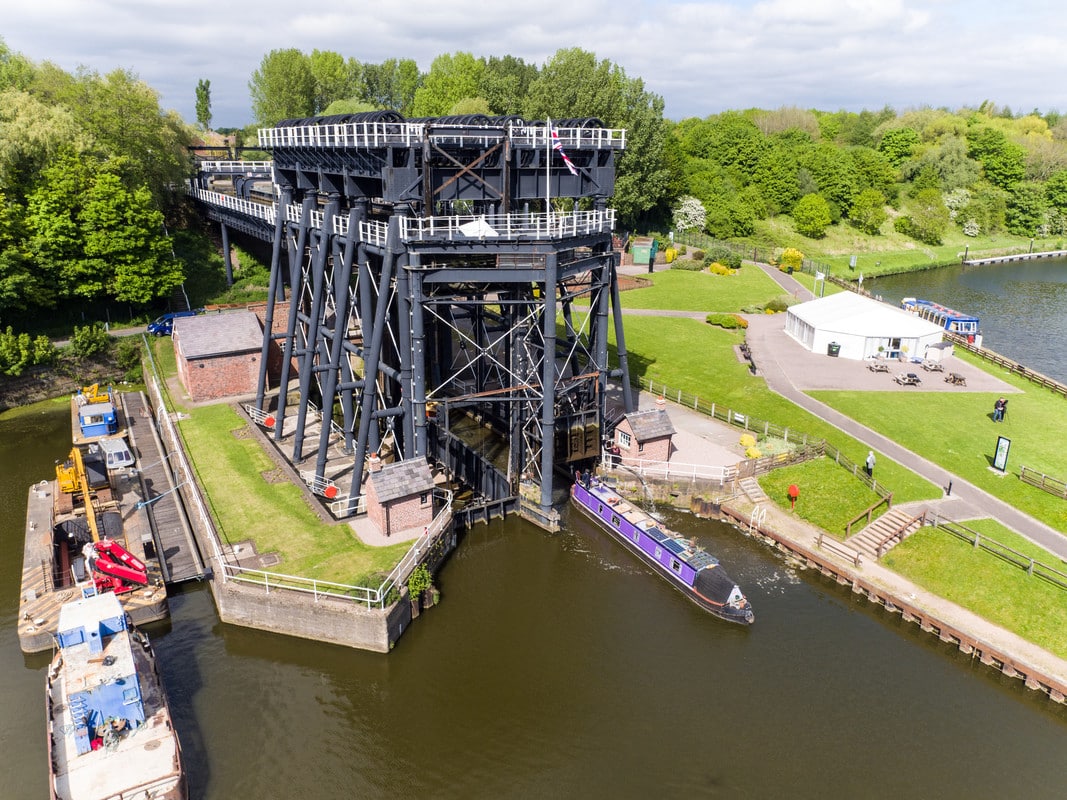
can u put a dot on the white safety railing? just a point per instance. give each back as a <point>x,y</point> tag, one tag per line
<point>506,226</point>
<point>671,469</point>
<point>365,595</point>
<point>409,134</point>
<point>236,167</point>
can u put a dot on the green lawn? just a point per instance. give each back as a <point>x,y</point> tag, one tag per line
<point>231,468</point>
<point>830,497</point>
<point>699,359</point>
<point>956,432</point>
<point>683,290</point>
<point>987,585</point>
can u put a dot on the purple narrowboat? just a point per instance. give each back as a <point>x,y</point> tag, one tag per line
<point>694,572</point>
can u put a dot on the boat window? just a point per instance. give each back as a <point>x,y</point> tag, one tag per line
<point>599,508</point>
<point>659,552</point>
<point>676,565</point>
<point>637,536</point>
<point>614,521</point>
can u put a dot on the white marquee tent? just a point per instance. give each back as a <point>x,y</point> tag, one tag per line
<point>859,326</point>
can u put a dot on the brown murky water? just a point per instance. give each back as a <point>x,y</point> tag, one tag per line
<point>557,666</point>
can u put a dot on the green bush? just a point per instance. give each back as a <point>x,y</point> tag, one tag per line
<point>88,341</point>
<point>698,255</point>
<point>723,255</point>
<point>687,265</point>
<point>715,268</point>
<point>729,321</point>
<point>128,351</point>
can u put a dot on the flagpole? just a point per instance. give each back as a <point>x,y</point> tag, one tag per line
<point>548,165</point>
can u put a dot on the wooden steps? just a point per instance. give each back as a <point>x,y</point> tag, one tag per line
<point>882,535</point>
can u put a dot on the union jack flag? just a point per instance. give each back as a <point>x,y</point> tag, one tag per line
<point>557,145</point>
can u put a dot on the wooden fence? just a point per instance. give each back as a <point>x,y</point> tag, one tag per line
<point>1042,481</point>
<point>1002,551</point>
<point>1012,366</point>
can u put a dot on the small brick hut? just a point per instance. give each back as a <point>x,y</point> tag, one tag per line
<point>644,436</point>
<point>218,354</point>
<point>400,496</point>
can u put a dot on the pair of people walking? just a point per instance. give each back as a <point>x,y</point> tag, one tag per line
<point>1000,410</point>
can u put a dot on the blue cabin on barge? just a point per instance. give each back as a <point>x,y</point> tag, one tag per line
<point>951,321</point>
<point>696,573</point>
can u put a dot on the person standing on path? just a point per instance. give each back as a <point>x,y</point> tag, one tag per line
<point>870,463</point>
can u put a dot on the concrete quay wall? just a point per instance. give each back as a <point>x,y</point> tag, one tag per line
<point>1034,676</point>
<point>299,614</point>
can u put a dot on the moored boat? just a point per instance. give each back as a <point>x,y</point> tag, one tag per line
<point>86,528</point>
<point>952,321</point>
<point>110,733</point>
<point>95,415</point>
<point>691,570</point>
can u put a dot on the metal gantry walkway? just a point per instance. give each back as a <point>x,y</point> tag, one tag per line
<point>179,556</point>
<point>424,269</point>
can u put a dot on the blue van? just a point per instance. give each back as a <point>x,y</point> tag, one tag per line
<point>164,326</point>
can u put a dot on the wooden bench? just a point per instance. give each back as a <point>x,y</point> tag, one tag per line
<point>907,379</point>
<point>933,366</point>
<point>955,379</point>
<point>875,367</point>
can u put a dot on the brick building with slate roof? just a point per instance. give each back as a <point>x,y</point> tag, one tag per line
<point>644,436</point>
<point>218,354</point>
<point>400,496</point>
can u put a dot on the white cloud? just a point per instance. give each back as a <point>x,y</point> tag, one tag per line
<point>703,57</point>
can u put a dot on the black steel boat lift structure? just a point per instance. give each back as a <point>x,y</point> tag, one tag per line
<point>435,268</point>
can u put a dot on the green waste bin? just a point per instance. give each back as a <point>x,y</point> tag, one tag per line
<point>833,349</point>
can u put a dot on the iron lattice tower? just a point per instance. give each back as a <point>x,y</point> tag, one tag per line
<point>437,268</point>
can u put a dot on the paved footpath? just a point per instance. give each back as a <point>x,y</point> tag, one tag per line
<point>779,360</point>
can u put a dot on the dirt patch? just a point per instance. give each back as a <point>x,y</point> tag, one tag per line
<point>241,433</point>
<point>274,476</point>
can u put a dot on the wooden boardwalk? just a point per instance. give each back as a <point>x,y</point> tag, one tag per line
<point>179,557</point>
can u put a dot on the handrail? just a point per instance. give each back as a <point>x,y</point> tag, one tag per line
<point>901,531</point>
<point>868,512</point>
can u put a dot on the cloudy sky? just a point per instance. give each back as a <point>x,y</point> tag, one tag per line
<point>701,56</point>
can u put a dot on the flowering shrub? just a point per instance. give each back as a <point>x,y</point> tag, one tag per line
<point>791,257</point>
<point>748,440</point>
<point>753,452</point>
<point>715,268</point>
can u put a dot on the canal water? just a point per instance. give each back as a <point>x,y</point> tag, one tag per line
<point>556,666</point>
<point>1021,305</point>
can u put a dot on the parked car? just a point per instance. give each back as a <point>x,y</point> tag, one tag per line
<point>164,325</point>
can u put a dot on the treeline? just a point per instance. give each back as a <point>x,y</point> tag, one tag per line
<point>982,169</point>
<point>89,164</point>
<point>918,172</point>
<point>573,83</point>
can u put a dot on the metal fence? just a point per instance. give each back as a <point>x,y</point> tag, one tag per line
<point>225,561</point>
<point>814,447</point>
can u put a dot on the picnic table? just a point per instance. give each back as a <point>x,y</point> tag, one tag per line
<point>933,366</point>
<point>907,379</point>
<point>955,379</point>
<point>876,367</point>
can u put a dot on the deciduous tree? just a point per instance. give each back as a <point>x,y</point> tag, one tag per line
<point>203,103</point>
<point>283,87</point>
<point>811,216</point>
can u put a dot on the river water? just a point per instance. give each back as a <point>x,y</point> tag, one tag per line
<point>1021,305</point>
<point>556,666</point>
